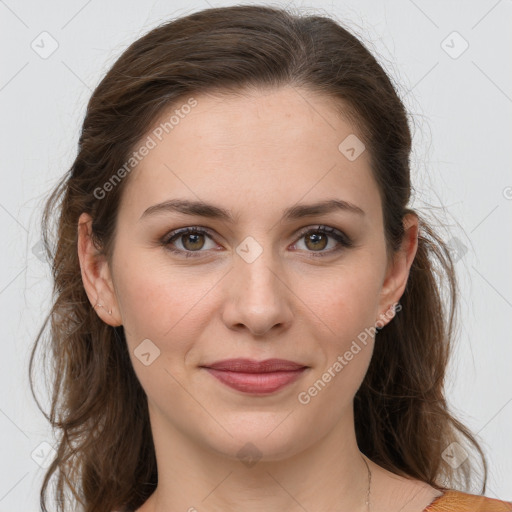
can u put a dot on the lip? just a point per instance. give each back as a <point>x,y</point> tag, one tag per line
<point>257,377</point>
<point>253,366</point>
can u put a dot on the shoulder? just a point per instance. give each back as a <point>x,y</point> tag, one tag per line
<point>456,501</point>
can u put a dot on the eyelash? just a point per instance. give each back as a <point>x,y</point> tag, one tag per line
<point>340,237</point>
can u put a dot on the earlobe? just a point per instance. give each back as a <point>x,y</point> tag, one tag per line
<point>388,315</point>
<point>98,305</point>
<point>96,274</point>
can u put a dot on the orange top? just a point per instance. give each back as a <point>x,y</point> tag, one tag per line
<point>456,501</point>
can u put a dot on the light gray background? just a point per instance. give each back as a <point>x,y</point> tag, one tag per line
<point>462,107</point>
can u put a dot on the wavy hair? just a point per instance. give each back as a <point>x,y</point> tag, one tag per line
<point>105,458</point>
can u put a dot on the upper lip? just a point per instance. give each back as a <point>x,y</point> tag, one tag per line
<point>253,366</point>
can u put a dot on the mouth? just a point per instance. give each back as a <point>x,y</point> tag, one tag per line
<point>256,377</point>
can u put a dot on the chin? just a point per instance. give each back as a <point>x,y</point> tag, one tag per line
<point>263,437</point>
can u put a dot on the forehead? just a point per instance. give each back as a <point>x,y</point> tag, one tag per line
<point>251,150</point>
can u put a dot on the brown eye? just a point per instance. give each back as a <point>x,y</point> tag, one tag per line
<point>316,241</point>
<point>192,241</point>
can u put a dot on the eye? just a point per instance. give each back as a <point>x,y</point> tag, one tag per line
<point>317,239</point>
<point>192,239</point>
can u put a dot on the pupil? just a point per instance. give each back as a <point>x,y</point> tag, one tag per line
<point>195,241</point>
<point>317,238</point>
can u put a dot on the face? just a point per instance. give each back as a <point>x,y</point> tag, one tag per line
<point>261,281</point>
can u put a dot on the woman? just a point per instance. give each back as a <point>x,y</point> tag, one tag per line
<point>248,316</point>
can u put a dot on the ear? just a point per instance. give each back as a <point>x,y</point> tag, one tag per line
<point>397,272</point>
<point>96,275</point>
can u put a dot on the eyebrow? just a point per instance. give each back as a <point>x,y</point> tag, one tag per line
<point>201,209</point>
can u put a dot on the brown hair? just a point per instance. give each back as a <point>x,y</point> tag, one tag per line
<point>105,455</point>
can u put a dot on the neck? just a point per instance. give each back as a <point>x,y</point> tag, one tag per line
<point>328,473</point>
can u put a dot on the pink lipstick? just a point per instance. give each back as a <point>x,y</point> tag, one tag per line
<point>259,377</point>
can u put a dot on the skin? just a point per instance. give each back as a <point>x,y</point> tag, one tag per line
<point>254,155</point>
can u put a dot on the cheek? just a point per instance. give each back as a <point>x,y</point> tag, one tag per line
<point>168,309</point>
<point>344,299</point>
<point>346,304</point>
<point>159,301</point>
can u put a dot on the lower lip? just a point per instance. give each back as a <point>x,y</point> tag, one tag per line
<point>256,382</point>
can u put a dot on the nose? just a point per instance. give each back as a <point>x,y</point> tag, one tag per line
<point>257,296</point>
